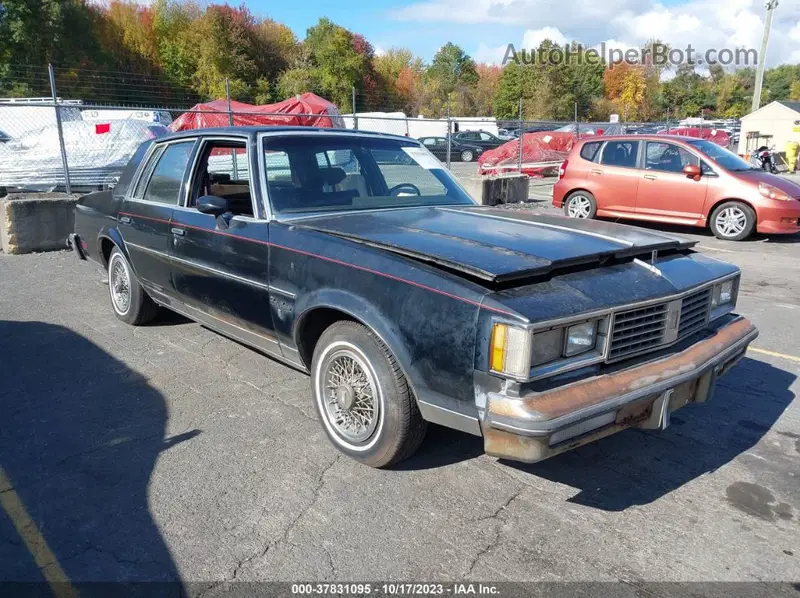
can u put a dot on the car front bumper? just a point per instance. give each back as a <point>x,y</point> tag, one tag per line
<point>780,219</point>
<point>534,426</point>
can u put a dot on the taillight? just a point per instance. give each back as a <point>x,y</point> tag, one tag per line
<point>562,170</point>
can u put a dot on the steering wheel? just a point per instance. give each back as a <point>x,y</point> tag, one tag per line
<point>401,186</point>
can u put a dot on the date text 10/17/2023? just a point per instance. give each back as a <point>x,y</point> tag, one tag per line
<point>394,589</point>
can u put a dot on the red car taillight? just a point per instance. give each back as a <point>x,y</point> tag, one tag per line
<point>562,170</point>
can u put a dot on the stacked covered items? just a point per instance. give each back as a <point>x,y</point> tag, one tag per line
<point>717,136</point>
<point>307,110</point>
<point>542,154</point>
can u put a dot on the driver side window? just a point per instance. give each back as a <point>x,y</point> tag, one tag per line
<point>223,171</point>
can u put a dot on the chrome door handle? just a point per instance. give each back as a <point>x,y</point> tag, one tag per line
<point>650,177</point>
<point>597,172</point>
<point>125,219</point>
<point>179,231</point>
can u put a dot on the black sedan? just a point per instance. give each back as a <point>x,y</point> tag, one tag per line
<point>405,301</point>
<point>482,139</point>
<point>459,152</point>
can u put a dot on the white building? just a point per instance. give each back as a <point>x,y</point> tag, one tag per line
<point>781,119</point>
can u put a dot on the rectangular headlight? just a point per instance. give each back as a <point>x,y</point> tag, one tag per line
<point>510,351</point>
<point>580,338</point>
<point>547,345</point>
<point>723,293</point>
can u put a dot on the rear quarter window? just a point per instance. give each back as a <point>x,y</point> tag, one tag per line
<point>589,150</point>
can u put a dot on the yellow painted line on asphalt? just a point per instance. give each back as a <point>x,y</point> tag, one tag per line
<point>774,354</point>
<point>37,545</point>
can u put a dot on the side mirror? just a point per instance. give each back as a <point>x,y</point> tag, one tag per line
<point>692,171</point>
<point>211,204</point>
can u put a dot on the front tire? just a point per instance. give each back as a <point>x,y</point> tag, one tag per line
<point>362,397</point>
<point>580,204</point>
<point>733,221</point>
<point>130,302</point>
<point>466,156</point>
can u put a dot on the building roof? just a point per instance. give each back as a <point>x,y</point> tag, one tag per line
<point>793,105</point>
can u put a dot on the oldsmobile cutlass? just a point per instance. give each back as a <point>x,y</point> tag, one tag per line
<point>359,259</point>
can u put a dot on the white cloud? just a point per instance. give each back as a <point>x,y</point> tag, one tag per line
<point>704,24</point>
<point>534,37</point>
<point>490,54</point>
<point>378,51</point>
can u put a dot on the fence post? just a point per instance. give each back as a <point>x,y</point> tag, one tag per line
<point>577,125</point>
<point>521,135</point>
<point>355,118</point>
<point>449,133</point>
<point>64,162</point>
<point>230,123</point>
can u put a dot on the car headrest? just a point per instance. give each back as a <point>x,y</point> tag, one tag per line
<point>333,176</point>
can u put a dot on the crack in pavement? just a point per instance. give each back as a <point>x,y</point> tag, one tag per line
<point>497,529</point>
<point>319,484</point>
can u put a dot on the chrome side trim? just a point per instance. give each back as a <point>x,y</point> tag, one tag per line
<point>256,339</point>
<point>449,419</point>
<point>288,294</point>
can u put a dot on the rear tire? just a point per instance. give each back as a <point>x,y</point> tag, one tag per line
<point>466,156</point>
<point>130,302</point>
<point>362,397</point>
<point>580,204</point>
<point>732,221</point>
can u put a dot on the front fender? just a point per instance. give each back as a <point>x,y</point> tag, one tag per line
<point>359,309</point>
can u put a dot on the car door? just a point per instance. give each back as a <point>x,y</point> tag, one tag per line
<point>487,141</point>
<point>614,180</point>
<point>144,217</point>
<point>437,146</point>
<point>220,264</point>
<point>664,190</point>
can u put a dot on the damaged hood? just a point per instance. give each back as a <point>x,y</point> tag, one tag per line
<point>494,245</point>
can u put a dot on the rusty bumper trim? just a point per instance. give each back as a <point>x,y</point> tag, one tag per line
<point>541,414</point>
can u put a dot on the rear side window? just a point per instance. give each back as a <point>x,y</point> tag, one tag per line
<point>620,153</point>
<point>165,184</point>
<point>589,150</point>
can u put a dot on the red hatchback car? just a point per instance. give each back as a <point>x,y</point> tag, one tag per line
<point>677,180</point>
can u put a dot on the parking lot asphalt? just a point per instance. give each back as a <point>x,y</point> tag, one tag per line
<point>167,452</point>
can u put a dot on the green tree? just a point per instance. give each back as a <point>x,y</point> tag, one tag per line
<point>338,65</point>
<point>794,91</point>
<point>451,77</point>
<point>688,93</point>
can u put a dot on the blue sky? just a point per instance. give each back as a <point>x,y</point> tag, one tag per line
<point>484,27</point>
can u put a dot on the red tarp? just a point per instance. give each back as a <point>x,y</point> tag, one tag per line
<point>307,110</point>
<point>717,136</point>
<point>554,146</point>
<point>544,146</point>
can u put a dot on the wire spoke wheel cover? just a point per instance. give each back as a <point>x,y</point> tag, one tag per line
<point>350,394</point>
<point>119,282</point>
<point>731,221</point>
<point>579,206</point>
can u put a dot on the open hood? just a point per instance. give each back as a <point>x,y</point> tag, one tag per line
<point>494,245</point>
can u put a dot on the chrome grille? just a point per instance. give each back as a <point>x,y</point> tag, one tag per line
<point>694,312</point>
<point>638,330</point>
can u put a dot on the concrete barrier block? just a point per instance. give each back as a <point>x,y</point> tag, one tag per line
<point>498,189</point>
<point>36,222</point>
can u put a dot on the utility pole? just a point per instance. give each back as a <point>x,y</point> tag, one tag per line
<point>521,135</point>
<point>762,55</point>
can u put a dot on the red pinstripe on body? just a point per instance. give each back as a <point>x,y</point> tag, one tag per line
<point>329,259</point>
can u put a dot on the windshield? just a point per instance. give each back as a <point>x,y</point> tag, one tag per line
<point>725,158</point>
<point>325,172</point>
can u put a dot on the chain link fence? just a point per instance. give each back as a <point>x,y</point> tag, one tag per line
<point>80,141</point>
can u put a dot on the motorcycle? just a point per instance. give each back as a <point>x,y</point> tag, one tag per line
<point>764,158</point>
